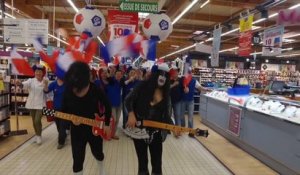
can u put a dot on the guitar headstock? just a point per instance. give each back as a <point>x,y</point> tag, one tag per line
<point>48,112</point>
<point>200,132</point>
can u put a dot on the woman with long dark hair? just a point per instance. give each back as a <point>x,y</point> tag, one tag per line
<point>150,100</point>
<point>83,98</point>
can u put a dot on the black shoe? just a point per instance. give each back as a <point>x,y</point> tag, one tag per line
<point>191,135</point>
<point>59,146</point>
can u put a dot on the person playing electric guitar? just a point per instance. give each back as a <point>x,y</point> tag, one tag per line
<point>150,100</point>
<point>83,98</point>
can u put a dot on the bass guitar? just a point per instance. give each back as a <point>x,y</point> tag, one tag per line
<point>97,123</point>
<point>140,132</point>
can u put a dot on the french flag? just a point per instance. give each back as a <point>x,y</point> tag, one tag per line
<point>148,49</point>
<point>20,65</point>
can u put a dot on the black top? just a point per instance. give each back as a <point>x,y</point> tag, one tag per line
<point>87,105</point>
<point>136,102</point>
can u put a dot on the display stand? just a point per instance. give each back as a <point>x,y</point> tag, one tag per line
<point>17,131</point>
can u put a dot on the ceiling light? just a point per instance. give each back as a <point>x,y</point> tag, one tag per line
<point>58,39</point>
<point>100,40</point>
<point>247,59</point>
<point>288,40</point>
<point>198,32</point>
<point>289,55</point>
<point>288,61</point>
<point>204,4</point>
<point>226,50</point>
<point>229,32</point>
<point>291,36</point>
<point>260,20</point>
<point>73,5</point>
<point>295,6</point>
<point>181,50</point>
<point>273,15</point>
<point>184,11</point>
<point>267,60</point>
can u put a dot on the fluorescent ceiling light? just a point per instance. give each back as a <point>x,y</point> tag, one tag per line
<point>184,11</point>
<point>73,5</point>
<point>100,40</point>
<point>181,50</point>
<point>229,32</point>
<point>291,36</point>
<point>226,50</point>
<point>204,4</point>
<point>197,32</point>
<point>288,40</point>
<point>58,39</point>
<point>273,15</point>
<point>260,20</point>
<point>289,55</point>
<point>295,6</point>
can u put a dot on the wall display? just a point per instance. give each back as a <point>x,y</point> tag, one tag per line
<point>23,31</point>
<point>235,114</point>
<point>272,41</point>
<point>287,68</point>
<point>214,61</point>
<point>289,17</point>
<point>234,65</point>
<point>121,23</point>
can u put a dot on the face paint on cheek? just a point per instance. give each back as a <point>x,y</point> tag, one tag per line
<point>161,80</point>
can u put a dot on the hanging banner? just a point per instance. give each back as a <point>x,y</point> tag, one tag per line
<point>246,23</point>
<point>214,61</point>
<point>245,41</point>
<point>289,17</point>
<point>272,41</point>
<point>122,23</point>
<point>24,31</point>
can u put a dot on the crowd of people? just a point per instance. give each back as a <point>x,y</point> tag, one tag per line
<point>137,93</point>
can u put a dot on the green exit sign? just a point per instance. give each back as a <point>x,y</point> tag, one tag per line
<point>147,7</point>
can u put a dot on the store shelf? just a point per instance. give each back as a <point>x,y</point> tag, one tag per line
<point>2,120</point>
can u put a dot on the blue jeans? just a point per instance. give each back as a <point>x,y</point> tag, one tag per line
<point>177,113</point>
<point>189,106</point>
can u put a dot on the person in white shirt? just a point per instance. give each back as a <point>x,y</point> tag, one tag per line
<point>36,99</point>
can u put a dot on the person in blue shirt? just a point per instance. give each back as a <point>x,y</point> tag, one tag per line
<point>114,90</point>
<point>58,88</point>
<point>187,102</point>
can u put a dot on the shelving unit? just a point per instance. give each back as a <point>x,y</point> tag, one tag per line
<point>196,97</point>
<point>4,98</point>
<point>226,76</point>
<point>19,96</point>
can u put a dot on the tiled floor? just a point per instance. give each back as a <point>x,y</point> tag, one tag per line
<point>184,156</point>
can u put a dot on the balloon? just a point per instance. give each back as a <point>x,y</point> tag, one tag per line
<point>157,26</point>
<point>90,21</point>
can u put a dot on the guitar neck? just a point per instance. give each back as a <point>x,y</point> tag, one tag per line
<point>77,119</point>
<point>160,125</point>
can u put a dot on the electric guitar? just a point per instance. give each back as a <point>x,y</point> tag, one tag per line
<point>97,123</point>
<point>140,133</point>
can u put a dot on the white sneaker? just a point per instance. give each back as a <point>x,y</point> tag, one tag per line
<point>39,140</point>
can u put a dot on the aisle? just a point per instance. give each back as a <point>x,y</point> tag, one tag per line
<point>184,156</point>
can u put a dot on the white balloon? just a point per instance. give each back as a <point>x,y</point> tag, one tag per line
<point>157,26</point>
<point>89,20</point>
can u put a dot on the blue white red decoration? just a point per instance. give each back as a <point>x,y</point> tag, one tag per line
<point>20,65</point>
<point>157,27</point>
<point>133,45</point>
<point>79,49</point>
<point>90,21</point>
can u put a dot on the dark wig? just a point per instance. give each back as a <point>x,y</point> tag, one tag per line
<point>78,76</point>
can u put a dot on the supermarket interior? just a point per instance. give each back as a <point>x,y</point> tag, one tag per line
<point>211,87</point>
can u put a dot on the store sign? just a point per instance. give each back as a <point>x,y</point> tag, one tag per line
<point>289,17</point>
<point>24,31</point>
<point>146,7</point>
<point>245,41</point>
<point>122,23</point>
<point>235,114</point>
<point>214,61</point>
<point>272,41</point>
<point>246,23</point>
